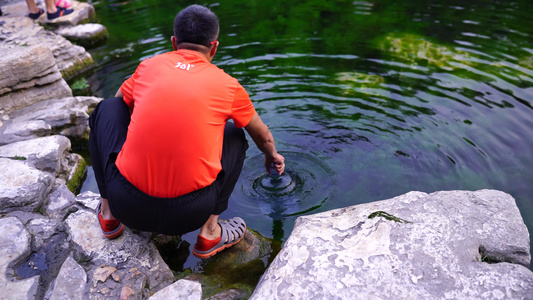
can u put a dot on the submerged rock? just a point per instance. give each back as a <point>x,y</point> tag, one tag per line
<point>236,270</point>
<point>445,245</point>
<point>416,49</point>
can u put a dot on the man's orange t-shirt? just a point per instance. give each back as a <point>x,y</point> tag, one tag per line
<point>181,103</point>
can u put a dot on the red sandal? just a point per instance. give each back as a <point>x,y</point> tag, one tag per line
<point>110,228</point>
<point>232,232</point>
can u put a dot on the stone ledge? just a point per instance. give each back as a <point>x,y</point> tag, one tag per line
<point>445,245</point>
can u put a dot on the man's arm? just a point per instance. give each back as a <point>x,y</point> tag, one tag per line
<point>265,142</point>
<point>119,95</point>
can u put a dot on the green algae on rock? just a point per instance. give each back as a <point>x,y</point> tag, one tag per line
<point>417,50</point>
<point>78,171</point>
<point>236,269</point>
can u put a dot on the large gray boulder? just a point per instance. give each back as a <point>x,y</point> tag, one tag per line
<point>66,116</point>
<point>14,244</point>
<point>86,35</point>
<point>445,245</point>
<point>182,289</point>
<point>83,12</point>
<point>22,187</point>
<point>20,31</point>
<point>29,75</point>
<point>125,266</point>
<point>70,282</point>
<point>45,154</point>
<point>49,154</point>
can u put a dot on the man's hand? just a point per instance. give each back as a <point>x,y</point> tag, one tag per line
<point>265,142</point>
<point>278,162</point>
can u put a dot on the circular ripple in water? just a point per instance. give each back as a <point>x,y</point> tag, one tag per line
<point>305,185</point>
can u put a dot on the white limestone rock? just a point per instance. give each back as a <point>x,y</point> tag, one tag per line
<point>181,289</point>
<point>415,246</point>
<point>14,244</point>
<point>66,116</point>
<point>30,74</point>
<point>134,261</point>
<point>88,199</point>
<point>70,282</point>
<point>59,200</point>
<point>85,35</point>
<point>17,32</point>
<point>45,154</point>
<point>82,12</point>
<point>42,229</point>
<point>23,187</point>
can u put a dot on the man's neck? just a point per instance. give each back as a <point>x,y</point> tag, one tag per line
<point>195,47</point>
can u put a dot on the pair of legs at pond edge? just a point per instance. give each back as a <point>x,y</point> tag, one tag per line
<point>54,10</point>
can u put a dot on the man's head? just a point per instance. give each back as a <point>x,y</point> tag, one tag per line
<point>196,24</point>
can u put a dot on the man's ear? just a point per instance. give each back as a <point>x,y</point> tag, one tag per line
<point>214,49</point>
<point>174,41</point>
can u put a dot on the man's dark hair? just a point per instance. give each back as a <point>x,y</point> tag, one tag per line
<point>196,24</point>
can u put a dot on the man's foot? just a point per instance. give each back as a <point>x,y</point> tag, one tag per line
<point>232,232</point>
<point>36,15</point>
<point>59,13</point>
<point>110,228</point>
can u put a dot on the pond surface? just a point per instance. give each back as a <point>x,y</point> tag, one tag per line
<point>366,100</point>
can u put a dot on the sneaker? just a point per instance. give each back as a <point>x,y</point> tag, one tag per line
<point>36,15</point>
<point>61,12</point>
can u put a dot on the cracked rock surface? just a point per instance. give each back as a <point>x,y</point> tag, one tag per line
<point>444,245</point>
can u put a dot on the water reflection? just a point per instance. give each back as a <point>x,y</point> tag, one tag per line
<point>306,185</point>
<point>381,97</point>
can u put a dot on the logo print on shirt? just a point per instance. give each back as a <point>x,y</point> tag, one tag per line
<point>183,66</point>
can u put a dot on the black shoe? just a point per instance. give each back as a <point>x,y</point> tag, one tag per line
<point>59,13</point>
<point>36,15</point>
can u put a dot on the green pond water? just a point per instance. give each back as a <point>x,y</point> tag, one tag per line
<point>366,100</point>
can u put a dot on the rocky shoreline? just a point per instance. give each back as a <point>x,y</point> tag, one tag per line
<point>456,244</point>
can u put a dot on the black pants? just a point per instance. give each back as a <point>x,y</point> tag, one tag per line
<point>137,210</point>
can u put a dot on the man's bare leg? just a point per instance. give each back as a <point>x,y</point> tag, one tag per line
<point>211,230</point>
<point>105,211</point>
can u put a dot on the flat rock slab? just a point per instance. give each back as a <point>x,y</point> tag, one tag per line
<point>14,243</point>
<point>16,32</point>
<point>43,153</point>
<point>82,12</point>
<point>120,268</point>
<point>29,75</point>
<point>70,282</point>
<point>65,116</point>
<point>445,245</point>
<point>86,35</point>
<point>23,187</point>
<point>181,289</point>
